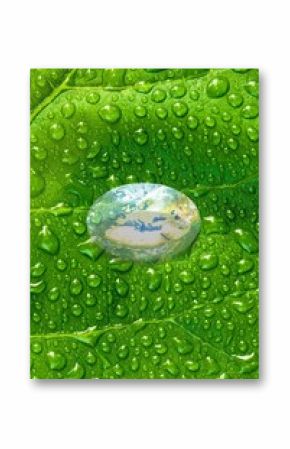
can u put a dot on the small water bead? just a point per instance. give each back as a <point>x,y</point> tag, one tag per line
<point>235,100</point>
<point>37,287</point>
<point>253,134</point>
<point>110,113</point>
<point>245,265</point>
<point>226,117</point>
<point>250,111</point>
<point>68,109</point>
<point>77,310</point>
<point>140,111</point>
<point>121,310</point>
<point>154,279</point>
<point>82,143</point>
<point>56,361</point>
<point>192,366</point>
<point>61,265</point>
<point>194,95</point>
<point>77,372</point>
<point>57,131</point>
<point>247,241</point>
<point>76,287</point>
<point>209,121</point>
<point>161,112</point>
<point>48,241</point>
<point>218,87</point>
<point>178,91</point>
<point>143,87</point>
<point>177,132</point>
<point>140,136</point>
<point>121,286</point>
<point>79,228</point>
<point>53,294</point>
<point>94,280</point>
<point>39,153</point>
<point>158,95</point>
<point>180,109</point>
<point>208,261</point>
<point>36,347</point>
<point>232,143</point>
<point>216,138</point>
<point>186,277</point>
<point>192,122</point>
<point>38,269</point>
<point>93,98</point>
<point>82,127</point>
<point>37,184</point>
<point>252,88</point>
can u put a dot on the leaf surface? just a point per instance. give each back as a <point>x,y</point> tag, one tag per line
<point>93,316</point>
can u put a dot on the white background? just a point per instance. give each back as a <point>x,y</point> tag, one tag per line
<point>122,414</point>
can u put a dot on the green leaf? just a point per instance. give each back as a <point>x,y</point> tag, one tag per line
<point>93,316</point>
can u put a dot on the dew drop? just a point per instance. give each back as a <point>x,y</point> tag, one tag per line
<point>57,131</point>
<point>48,241</point>
<point>218,87</point>
<point>110,113</point>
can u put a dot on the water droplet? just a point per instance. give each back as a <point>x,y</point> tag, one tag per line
<point>177,132</point>
<point>192,122</point>
<point>68,109</point>
<point>250,111</point>
<point>110,113</point>
<point>183,346</point>
<point>245,265</point>
<point>94,280</point>
<point>154,279</point>
<point>178,91</point>
<point>253,134</point>
<point>121,310</point>
<point>56,361</point>
<point>37,184</point>
<point>218,87</point>
<point>39,153</point>
<point>37,287</point>
<point>235,100</point>
<point>90,250</point>
<point>38,269</point>
<point>209,121</point>
<point>192,366</point>
<point>247,241</point>
<point>120,265</point>
<point>158,95</point>
<point>170,367</point>
<point>186,277</point>
<point>57,131</point>
<point>180,109</point>
<point>208,261</point>
<point>76,287</point>
<point>252,87</point>
<point>48,241</point>
<point>93,97</point>
<point>122,287</point>
<point>76,310</point>
<point>143,87</point>
<point>36,347</point>
<point>143,221</point>
<point>140,136</point>
<point>77,372</point>
<point>140,111</point>
<point>161,112</point>
<point>53,294</point>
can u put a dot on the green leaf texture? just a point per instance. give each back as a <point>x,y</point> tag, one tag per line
<point>93,316</point>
